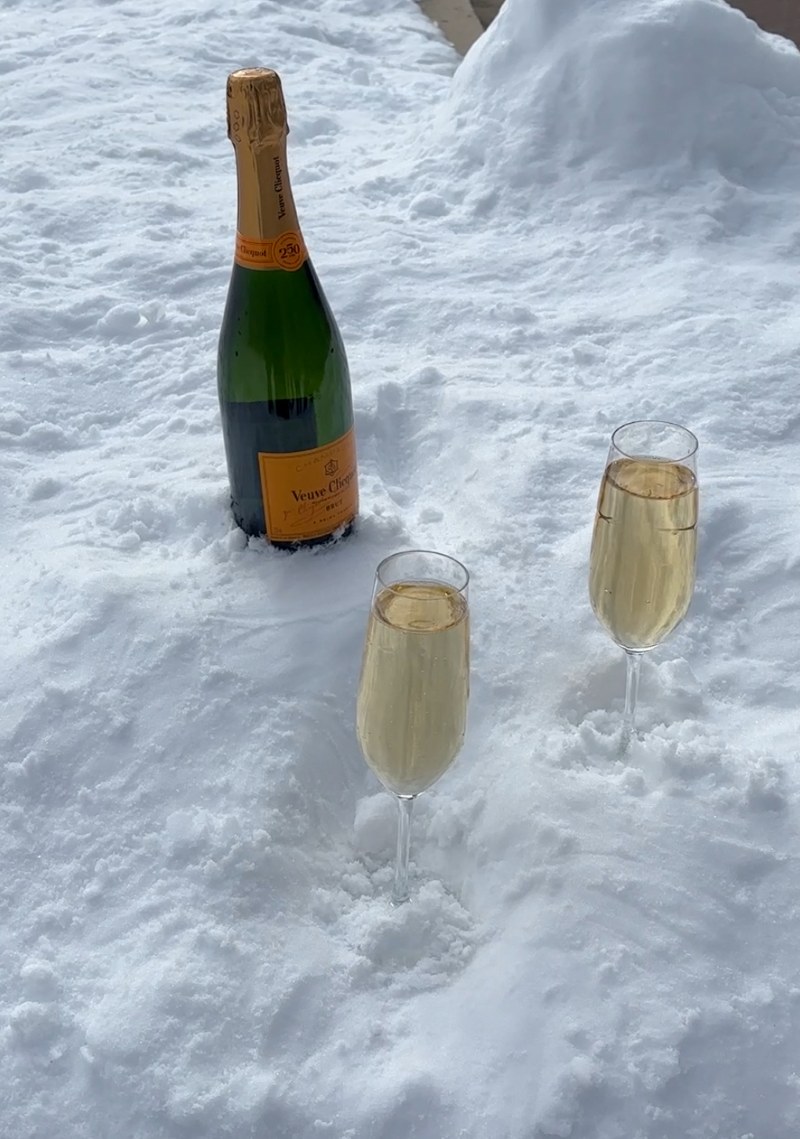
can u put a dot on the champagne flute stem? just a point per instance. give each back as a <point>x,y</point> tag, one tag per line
<point>405,805</point>
<point>633,667</point>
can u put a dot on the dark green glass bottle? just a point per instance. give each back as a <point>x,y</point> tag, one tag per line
<point>284,384</point>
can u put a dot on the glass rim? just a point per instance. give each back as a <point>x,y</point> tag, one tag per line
<point>693,444</point>
<point>392,585</point>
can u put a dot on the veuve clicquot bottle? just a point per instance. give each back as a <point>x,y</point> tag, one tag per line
<point>284,384</point>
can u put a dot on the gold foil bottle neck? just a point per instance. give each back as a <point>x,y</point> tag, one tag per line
<point>256,110</point>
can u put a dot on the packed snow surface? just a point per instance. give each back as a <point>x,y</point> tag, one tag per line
<point>592,218</point>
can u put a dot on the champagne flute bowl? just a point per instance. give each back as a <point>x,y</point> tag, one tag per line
<point>644,542</point>
<point>414,687</point>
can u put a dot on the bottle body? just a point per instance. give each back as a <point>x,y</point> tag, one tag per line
<point>283,379</point>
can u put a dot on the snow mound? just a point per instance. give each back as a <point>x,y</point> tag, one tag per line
<point>626,85</point>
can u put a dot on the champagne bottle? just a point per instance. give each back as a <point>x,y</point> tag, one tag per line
<point>283,380</point>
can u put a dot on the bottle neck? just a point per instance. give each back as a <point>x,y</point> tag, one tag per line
<point>267,230</point>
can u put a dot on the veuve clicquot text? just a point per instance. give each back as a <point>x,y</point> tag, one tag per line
<point>642,568</point>
<point>284,384</point>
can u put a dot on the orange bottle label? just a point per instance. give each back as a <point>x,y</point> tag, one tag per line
<point>286,251</point>
<point>308,494</point>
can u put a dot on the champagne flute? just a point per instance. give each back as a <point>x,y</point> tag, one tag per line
<point>644,544</point>
<point>412,697</point>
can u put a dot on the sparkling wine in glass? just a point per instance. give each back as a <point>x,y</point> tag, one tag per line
<point>412,698</point>
<point>644,544</point>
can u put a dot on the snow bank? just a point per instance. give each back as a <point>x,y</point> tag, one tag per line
<point>626,86</point>
<point>596,220</point>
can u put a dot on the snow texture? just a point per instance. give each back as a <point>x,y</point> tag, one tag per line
<point>590,219</point>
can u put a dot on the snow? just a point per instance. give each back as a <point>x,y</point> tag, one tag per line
<point>592,218</point>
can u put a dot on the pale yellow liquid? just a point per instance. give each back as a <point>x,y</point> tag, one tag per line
<point>641,575</point>
<point>412,699</point>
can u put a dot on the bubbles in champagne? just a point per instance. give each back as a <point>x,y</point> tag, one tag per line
<point>644,545</point>
<point>412,700</point>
